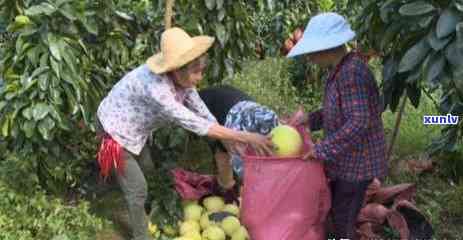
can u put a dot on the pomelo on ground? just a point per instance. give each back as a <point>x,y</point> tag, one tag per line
<point>193,236</point>
<point>213,233</point>
<point>188,227</point>
<point>232,208</point>
<point>230,224</point>
<point>204,222</point>
<point>214,203</point>
<point>192,212</point>
<point>240,234</point>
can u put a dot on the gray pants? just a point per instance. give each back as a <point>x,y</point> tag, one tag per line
<point>133,185</point>
<point>135,190</point>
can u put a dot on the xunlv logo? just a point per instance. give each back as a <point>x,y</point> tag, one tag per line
<point>440,120</point>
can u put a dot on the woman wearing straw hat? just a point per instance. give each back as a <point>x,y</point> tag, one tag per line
<point>156,94</point>
<point>353,149</point>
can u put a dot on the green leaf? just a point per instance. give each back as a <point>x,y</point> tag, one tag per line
<point>390,33</point>
<point>54,46</point>
<point>61,237</point>
<point>43,8</point>
<point>414,75</point>
<point>39,71</point>
<point>210,4</point>
<point>219,4</point>
<point>447,22</point>
<point>416,8</point>
<point>56,96</point>
<point>435,67</point>
<point>68,13</point>
<point>33,55</point>
<point>435,42</point>
<point>40,111</point>
<point>43,82</point>
<point>414,94</point>
<point>55,66</point>
<point>414,56</point>
<point>28,127</point>
<point>44,60</point>
<point>59,3</point>
<point>27,113</point>
<point>6,126</point>
<point>70,60</point>
<point>454,55</point>
<point>221,15</point>
<point>458,81</point>
<point>124,15</point>
<point>460,35</point>
<point>91,26</point>
<point>45,126</point>
<point>221,34</point>
<point>459,5</point>
<point>2,105</point>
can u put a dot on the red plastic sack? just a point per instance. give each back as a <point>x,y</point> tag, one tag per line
<point>284,198</point>
<point>190,185</point>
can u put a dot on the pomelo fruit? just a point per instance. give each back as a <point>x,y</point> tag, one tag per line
<point>287,140</point>
<point>152,228</point>
<point>193,236</point>
<point>169,230</point>
<point>188,227</point>
<point>184,238</point>
<point>204,222</point>
<point>240,234</point>
<point>214,203</point>
<point>230,224</point>
<point>192,212</point>
<point>22,20</point>
<point>232,208</point>
<point>213,233</point>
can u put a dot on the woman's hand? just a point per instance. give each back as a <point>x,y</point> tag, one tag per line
<point>261,144</point>
<point>310,155</point>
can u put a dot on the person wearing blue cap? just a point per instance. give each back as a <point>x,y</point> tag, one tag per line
<point>353,149</point>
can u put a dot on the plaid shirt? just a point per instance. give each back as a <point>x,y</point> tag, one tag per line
<point>354,146</point>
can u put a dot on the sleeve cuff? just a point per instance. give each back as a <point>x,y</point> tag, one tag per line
<point>205,130</point>
<point>320,154</point>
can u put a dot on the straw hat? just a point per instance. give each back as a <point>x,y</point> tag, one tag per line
<point>177,50</point>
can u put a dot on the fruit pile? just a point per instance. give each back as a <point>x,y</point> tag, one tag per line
<point>214,220</point>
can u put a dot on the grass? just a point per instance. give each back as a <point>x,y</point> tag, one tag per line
<point>434,192</point>
<point>414,137</point>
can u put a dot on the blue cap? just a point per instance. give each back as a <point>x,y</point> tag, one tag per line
<point>324,31</point>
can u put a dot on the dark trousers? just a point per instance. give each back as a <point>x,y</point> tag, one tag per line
<point>347,199</point>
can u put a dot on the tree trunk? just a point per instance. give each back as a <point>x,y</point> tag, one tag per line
<point>395,133</point>
<point>169,13</point>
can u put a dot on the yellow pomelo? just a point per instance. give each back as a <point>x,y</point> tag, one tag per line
<point>193,236</point>
<point>192,212</point>
<point>287,140</point>
<point>169,230</point>
<point>188,227</point>
<point>240,234</point>
<point>214,203</point>
<point>232,208</point>
<point>204,222</point>
<point>230,224</point>
<point>213,233</point>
